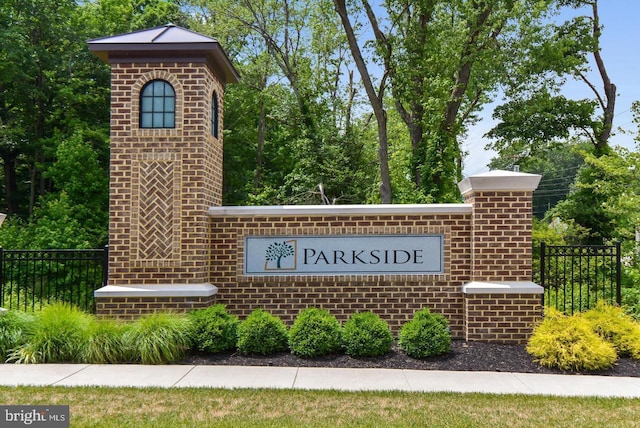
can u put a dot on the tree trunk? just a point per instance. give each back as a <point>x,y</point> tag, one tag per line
<point>10,183</point>
<point>262,132</point>
<point>608,106</point>
<point>375,99</point>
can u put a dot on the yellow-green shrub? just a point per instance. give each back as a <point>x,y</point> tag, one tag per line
<point>57,333</point>
<point>569,343</point>
<point>615,326</point>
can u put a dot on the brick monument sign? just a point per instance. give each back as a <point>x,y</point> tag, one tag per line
<point>173,246</point>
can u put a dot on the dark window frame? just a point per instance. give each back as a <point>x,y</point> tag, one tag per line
<point>158,105</point>
<point>215,115</point>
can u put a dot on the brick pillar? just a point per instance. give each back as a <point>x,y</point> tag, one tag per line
<point>501,302</point>
<point>163,178</point>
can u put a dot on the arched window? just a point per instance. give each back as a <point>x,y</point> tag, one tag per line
<point>158,105</point>
<point>215,115</point>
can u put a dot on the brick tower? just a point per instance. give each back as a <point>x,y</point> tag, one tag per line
<point>167,89</point>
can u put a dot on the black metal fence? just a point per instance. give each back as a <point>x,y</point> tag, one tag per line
<point>576,277</point>
<point>30,279</point>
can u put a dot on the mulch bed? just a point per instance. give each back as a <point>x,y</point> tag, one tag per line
<point>464,356</point>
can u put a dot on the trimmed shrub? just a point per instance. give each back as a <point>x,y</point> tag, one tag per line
<point>365,334</point>
<point>13,330</point>
<point>158,338</point>
<point>426,335</point>
<point>614,325</point>
<point>315,332</point>
<point>261,333</point>
<point>569,343</point>
<point>214,329</point>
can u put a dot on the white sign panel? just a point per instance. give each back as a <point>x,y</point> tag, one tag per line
<point>343,255</point>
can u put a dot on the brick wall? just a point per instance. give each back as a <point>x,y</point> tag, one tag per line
<point>501,318</point>
<point>501,235</point>
<point>394,297</point>
<point>130,308</point>
<point>162,180</point>
<point>487,247</point>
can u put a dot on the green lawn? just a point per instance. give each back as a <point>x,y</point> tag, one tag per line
<point>156,407</point>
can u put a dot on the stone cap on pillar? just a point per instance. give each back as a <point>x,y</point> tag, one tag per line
<point>500,181</point>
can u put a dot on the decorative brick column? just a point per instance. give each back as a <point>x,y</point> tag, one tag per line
<point>163,178</point>
<point>501,303</point>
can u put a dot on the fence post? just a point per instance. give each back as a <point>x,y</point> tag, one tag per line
<point>618,273</point>
<point>1,276</point>
<point>105,265</point>
<point>543,247</point>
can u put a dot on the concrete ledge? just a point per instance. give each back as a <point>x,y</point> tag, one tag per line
<point>381,209</point>
<point>158,290</point>
<point>494,181</point>
<point>498,287</point>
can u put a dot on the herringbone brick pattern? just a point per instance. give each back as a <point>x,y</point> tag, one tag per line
<point>155,241</point>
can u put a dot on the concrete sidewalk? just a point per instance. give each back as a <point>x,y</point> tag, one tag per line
<point>177,376</point>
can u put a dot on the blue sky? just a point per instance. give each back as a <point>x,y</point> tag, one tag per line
<point>621,53</point>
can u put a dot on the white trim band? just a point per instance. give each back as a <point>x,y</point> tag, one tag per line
<point>499,287</point>
<point>157,290</point>
<point>380,209</point>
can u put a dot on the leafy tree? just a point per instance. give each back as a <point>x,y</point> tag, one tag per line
<point>109,17</point>
<point>605,197</point>
<point>537,116</point>
<point>289,120</point>
<point>375,96</point>
<point>441,58</point>
<point>443,61</point>
<point>54,115</point>
<point>34,71</point>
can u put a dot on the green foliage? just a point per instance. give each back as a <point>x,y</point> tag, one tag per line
<point>440,76</point>
<point>58,333</point>
<point>13,331</point>
<point>80,177</point>
<point>108,17</point>
<point>569,343</point>
<point>617,327</point>
<point>52,227</point>
<point>104,343</point>
<point>609,189</point>
<point>535,124</point>
<point>631,295</point>
<point>586,204</point>
<point>262,333</point>
<point>62,333</point>
<point>426,335</point>
<point>537,119</point>
<point>315,332</point>
<point>214,329</point>
<point>53,88</point>
<point>289,121</point>
<point>365,334</point>
<point>158,338</point>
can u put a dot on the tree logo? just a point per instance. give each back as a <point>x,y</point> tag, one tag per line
<point>277,255</point>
